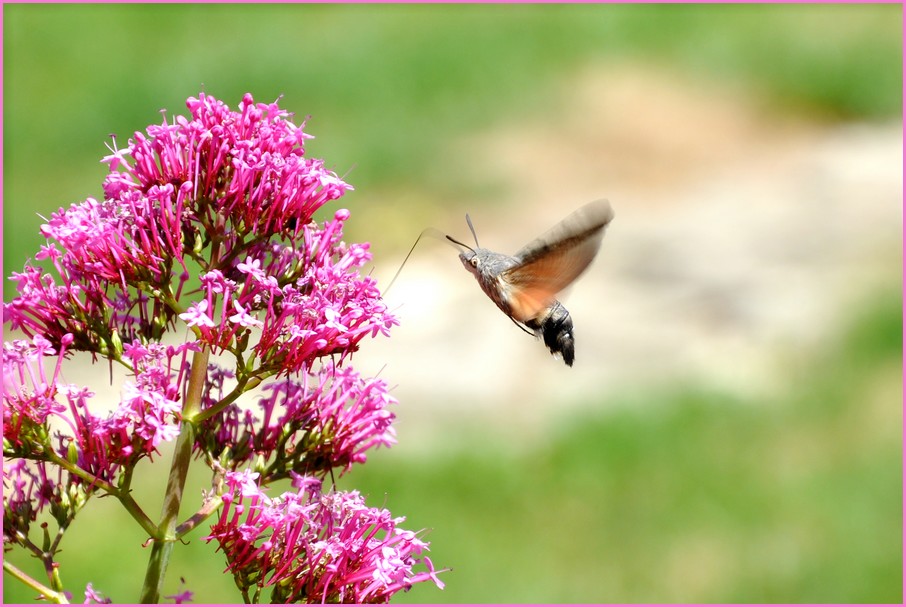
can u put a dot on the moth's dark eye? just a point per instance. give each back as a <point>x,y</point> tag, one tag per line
<point>474,262</point>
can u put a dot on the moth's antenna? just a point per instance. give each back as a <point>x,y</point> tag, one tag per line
<point>430,232</point>
<point>474,235</point>
<point>461,244</point>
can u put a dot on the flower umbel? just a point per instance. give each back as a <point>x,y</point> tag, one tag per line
<point>329,420</point>
<point>315,547</point>
<point>100,446</point>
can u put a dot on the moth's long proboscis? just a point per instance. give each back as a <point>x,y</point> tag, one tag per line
<point>427,231</point>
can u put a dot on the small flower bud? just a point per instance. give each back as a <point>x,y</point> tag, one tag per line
<point>65,502</point>
<point>117,342</point>
<point>260,465</point>
<point>72,453</point>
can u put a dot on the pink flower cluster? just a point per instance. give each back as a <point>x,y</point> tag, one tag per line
<point>315,547</point>
<point>28,489</point>
<point>101,299</point>
<point>328,420</point>
<point>44,418</point>
<point>223,201</point>
<point>328,309</point>
<point>100,445</point>
<point>29,395</point>
<point>233,194</point>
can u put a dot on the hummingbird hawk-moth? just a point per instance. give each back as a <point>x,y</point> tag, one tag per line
<point>525,286</point>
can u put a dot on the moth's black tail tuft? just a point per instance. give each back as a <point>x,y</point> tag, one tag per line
<point>556,328</point>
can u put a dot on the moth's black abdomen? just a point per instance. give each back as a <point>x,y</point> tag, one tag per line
<point>556,328</point>
<point>559,338</point>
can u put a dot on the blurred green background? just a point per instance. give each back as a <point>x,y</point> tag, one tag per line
<point>612,482</point>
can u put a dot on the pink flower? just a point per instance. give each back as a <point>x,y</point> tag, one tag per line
<point>243,318</point>
<point>197,315</point>
<point>183,596</point>
<point>92,596</point>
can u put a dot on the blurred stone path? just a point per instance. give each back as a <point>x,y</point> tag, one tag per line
<point>739,236</point>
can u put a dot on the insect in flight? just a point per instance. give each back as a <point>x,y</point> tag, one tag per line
<point>525,286</point>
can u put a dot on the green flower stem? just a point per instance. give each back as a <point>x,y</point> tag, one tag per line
<point>53,572</point>
<point>44,591</point>
<point>123,496</point>
<point>243,385</point>
<point>89,478</point>
<point>162,544</point>
<point>138,514</point>
<point>199,517</point>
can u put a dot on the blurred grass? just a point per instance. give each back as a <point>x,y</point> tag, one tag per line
<point>389,88</point>
<point>673,495</point>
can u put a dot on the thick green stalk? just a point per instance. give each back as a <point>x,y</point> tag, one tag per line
<point>162,543</point>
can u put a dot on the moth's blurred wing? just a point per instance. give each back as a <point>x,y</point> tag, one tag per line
<point>548,264</point>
